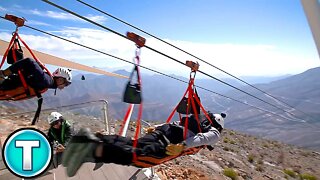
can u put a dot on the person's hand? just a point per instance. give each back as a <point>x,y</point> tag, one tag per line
<point>149,130</point>
<point>174,149</point>
<point>60,148</point>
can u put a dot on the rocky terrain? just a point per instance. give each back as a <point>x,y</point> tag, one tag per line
<point>235,156</point>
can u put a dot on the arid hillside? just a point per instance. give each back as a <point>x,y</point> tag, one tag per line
<point>235,156</point>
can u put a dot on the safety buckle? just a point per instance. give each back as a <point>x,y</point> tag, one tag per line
<point>194,66</point>
<point>140,41</point>
<point>17,20</point>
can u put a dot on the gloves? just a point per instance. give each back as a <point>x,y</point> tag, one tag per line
<point>149,130</point>
<point>174,149</point>
<point>59,148</point>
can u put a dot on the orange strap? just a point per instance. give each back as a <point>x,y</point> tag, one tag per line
<point>148,161</point>
<point>138,124</point>
<point>174,110</point>
<point>6,53</point>
<point>18,94</point>
<point>34,57</point>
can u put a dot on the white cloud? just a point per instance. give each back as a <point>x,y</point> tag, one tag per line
<point>53,14</point>
<point>67,16</point>
<point>2,9</point>
<point>98,19</point>
<point>237,59</point>
<point>32,22</point>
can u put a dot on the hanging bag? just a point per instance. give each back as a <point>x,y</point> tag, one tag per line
<point>132,92</point>
<point>183,105</point>
<point>15,53</point>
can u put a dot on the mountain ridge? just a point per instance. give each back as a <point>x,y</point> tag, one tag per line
<point>161,94</point>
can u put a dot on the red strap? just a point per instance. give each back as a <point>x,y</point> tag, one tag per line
<point>138,124</point>
<point>125,118</point>
<point>186,123</point>
<point>195,110</point>
<point>22,79</point>
<point>6,53</point>
<point>34,57</point>
<point>136,136</point>
<point>172,113</point>
<point>203,110</point>
<point>180,118</point>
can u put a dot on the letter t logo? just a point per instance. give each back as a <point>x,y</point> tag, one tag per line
<point>27,152</point>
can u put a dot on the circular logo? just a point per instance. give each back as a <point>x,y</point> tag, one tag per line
<point>27,152</point>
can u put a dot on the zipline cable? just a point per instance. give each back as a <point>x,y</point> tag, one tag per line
<point>176,47</point>
<point>104,27</point>
<point>158,72</point>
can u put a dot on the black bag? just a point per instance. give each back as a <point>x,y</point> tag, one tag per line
<point>183,104</point>
<point>18,52</point>
<point>132,92</point>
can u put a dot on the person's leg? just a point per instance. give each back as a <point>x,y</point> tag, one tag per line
<point>79,150</point>
<point>151,145</point>
<point>114,149</point>
<point>26,64</point>
<point>12,82</point>
<point>86,147</point>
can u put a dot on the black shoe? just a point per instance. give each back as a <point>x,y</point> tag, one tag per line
<point>80,150</point>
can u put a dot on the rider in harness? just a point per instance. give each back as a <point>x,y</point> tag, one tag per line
<point>34,76</point>
<point>160,144</point>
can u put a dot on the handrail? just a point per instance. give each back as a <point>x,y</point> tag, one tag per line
<point>104,109</point>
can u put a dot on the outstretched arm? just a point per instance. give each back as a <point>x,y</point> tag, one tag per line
<point>209,138</point>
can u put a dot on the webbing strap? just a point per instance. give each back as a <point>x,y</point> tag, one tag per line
<point>22,79</point>
<point>63,131</point>
<point>138,129</point>
<point>195,109</point>
<point>192,99</point>
<point>125,119</point>
<point>174,110</point>
<point>203,110</point>
<point>34,57</point>
<point>36,116</point>
<point>138,124</point>
<point>6,53</point>
<point>186,123</point>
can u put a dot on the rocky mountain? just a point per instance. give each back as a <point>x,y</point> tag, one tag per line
<point>300,127</point>
<point>236,155</point>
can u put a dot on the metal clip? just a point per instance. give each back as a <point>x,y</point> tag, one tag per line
<point>17,20</point>
<point>194,66</point>
<point>140,41</point>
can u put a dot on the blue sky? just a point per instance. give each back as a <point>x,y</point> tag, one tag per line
<point>248,37</point>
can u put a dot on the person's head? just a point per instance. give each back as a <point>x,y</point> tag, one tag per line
<point>217,120</point>
<point>62,77</point>
<point>55,119</point>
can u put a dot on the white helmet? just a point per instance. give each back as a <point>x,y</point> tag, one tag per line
<point>219,118</point>
<point>54,116</point>
<point>64,73</point>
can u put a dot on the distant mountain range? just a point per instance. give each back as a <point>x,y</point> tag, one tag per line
<point>161,94</point>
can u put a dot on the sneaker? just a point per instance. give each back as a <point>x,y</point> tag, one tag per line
<point>79,150</point>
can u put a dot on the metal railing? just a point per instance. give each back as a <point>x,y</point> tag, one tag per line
<point>104,110</point>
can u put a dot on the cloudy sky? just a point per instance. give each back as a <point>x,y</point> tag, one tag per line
<point>244,38</point>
